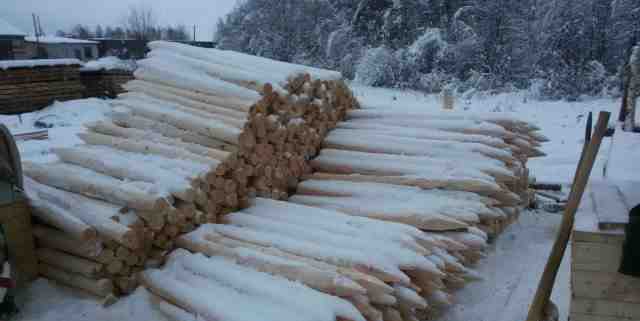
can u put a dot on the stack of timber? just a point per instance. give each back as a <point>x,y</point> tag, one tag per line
<point>105,83</point>
<point>599,290</point>
<point>425,161</point>
<point>28,85</point>
<point>381,270</point>
<point>198,133</point>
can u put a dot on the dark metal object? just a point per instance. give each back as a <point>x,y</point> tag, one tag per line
<point>630,264</point>
<point>587,134</point>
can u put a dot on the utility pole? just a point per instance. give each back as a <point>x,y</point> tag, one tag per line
<point>35,29</point>
<point>41,33</point>
<point>194,33</point>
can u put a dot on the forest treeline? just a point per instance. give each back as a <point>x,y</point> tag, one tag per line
<point>560,48</point>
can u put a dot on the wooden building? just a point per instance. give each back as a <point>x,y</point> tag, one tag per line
<point>12,44</point>
<point>51,47</point>
<point>122,48</point>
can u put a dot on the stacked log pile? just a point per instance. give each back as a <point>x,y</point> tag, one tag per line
<point>434,157</point>
<point>193,139</point>
<point>382,269</point>
<point>28,85</point>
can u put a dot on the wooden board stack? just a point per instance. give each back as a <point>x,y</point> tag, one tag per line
<point>198,133</point>
<point>381,269</point>
<point>478,158</point>
<point>28,85</point>
<point>105,83</point>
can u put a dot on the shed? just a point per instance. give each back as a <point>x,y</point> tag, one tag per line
<point>51,47</point>
<point>122,48</point>
<point>11,42</point>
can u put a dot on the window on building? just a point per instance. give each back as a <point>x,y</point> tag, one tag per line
<point>88,53</point>
<point>78,53</point>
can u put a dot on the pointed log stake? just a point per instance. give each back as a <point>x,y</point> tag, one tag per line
<point>541,299</point>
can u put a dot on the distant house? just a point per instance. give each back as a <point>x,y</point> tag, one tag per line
<point>50,47</point>
<point>12,45</point>
<point>122,48</point>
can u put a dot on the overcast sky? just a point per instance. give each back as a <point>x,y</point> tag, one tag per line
<point>64,14</point>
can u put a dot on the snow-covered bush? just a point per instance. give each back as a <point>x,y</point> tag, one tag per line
<point>594,79</point>
<point>425,52</point>
<point>378,67</point>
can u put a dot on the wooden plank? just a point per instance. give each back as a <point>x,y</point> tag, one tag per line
<point>586,227</point>
<point>590,317</point>
<point>604,308</point>
<point>606,286</point>
<point>595,257</point>
<point>610,207</point>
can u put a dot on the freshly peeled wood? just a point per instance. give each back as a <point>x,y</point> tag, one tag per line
<point>82,181</point>
<point>159,70</point>
<point>329,254</point>
<point>108,128</point>
<point>101,287</point>
<point>208,127</point>
<point>59,240</point>
<point>394,254</point>
<point>243,78</point>
<point>59,217</point>
<point>381,143</point>
<point>216,270</point>
<point>464,201</point>
<point>355,206</point>
<point>233,104</point>
<point>169,94</point>
<point>69,263</point>
<point>481,188</point>
<point>146,99</point>
<point>369,282</point>
<point>324,281</point>
<point>144,147</point>
<point>120,167</point>
<point>456,126</point>
<point>424,133</point>
<point>125,119</point>
<point>247,62</point>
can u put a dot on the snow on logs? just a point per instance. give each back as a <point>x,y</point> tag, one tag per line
<point>198,133</point>
<point>380,268</point>
<point>436,171</point>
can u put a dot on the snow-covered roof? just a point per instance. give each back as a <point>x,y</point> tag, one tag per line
<point>30,63</point>
<point>60,40</point>
<point>6,29</point>
<point>109,63</point>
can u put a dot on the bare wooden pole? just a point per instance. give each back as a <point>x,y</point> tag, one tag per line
<point>541,299</point>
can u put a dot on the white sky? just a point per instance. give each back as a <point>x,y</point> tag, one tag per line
<point>64,14</point>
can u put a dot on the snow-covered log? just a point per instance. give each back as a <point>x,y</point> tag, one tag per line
<point>92,212</point>
<point>325,281</point>
<point>100,287</point>
<point>79,180</point>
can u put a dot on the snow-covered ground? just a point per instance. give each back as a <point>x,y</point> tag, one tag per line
<point>511,269</point>
<point>66,119</point>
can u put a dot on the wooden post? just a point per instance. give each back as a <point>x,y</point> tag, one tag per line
<point>16,223</point>
<point>541,299</point>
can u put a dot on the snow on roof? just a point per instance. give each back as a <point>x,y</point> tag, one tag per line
<point>109,63</point>
<point>7,29</point>
<point>58,40</point>
<point>10,64</point>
